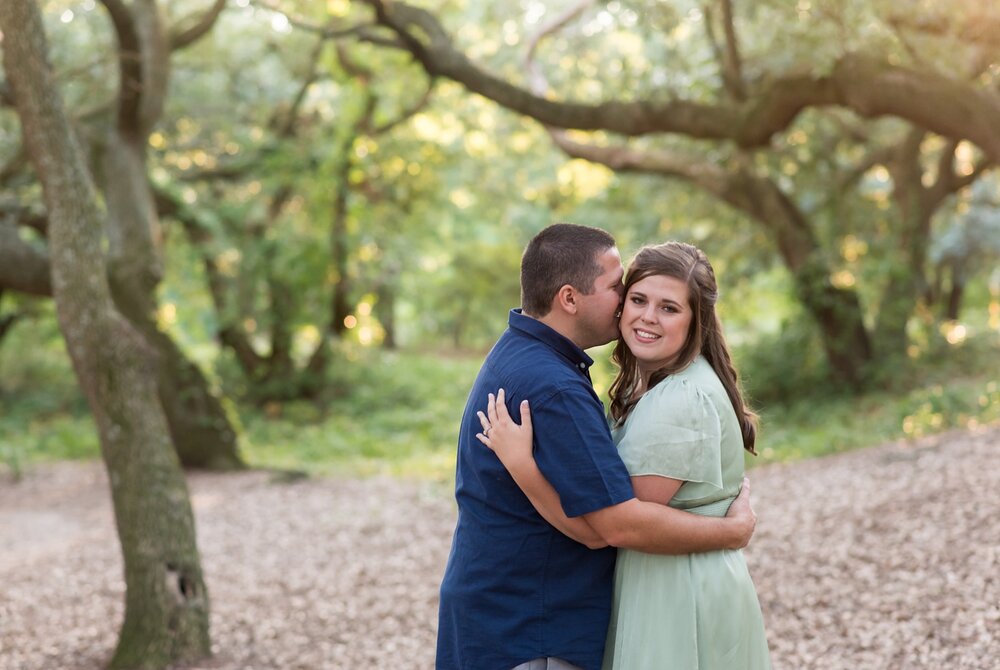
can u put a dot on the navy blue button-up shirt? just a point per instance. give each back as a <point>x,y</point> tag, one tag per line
<point>515,587</point>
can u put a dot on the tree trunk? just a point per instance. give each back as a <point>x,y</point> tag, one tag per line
<point>340,305</point>
<point>917,203</point>
<point>385,304</point>
<point>166,604</point>
<point>906,265</point>
<point>956,292</point>
<point>838,314</point>
<point>954,307</point>
<point>22,267</point>
<point>837,311</point>
<point>202,432</point>
<point>200,428</point>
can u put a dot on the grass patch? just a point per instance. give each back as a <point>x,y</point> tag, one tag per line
<point>43,414</point>
<point>391,413</point>
<point>807,429</point>
<point>397,413</point>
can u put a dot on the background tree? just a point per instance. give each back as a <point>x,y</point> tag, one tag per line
<point>116,132</point>
<point>166,605</point>
<point>747,96</point>
<point>969,243</point>
<point>273,212</point>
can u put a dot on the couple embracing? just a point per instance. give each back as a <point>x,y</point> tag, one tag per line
<point>581,545</point>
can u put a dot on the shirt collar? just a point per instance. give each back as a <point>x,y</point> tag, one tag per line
<point>562,345</point>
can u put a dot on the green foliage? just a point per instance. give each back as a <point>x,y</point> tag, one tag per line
<point>465,301</point>
<point>971,239</point>
<point>43,414</point>
<point>398,412</point>
<point>813,427</point>
<point>940,387</point>
<point>439,207</point>
<point>787,364</point>
<point>392,413</point>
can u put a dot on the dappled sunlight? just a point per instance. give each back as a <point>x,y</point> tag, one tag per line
<point>965,158</point>
<point>363,326</point>
<point>306,339</point>
<point>852,248</point>
<point>228,261</point>
<point>941,407</point>
<point>166,315</point>
<point>954,332</point>
<point>462,198</point>
<point>843,279</point>
<point>584,179</point>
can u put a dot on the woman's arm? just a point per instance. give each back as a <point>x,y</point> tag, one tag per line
<point>655,488</point>
<point>512,445</point>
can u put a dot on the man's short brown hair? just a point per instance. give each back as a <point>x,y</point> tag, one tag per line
<point>563,253</point>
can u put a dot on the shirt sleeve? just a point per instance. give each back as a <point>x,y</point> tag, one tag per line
<point>674,431</point>
<point>575,452</point>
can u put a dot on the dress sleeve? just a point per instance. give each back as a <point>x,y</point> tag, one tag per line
<point>674,431</point>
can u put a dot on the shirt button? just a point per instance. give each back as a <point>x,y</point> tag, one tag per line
<point>583,366</point>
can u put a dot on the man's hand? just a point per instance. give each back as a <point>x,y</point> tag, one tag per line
<point>741,512</point>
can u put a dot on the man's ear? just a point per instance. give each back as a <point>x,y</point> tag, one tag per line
<point>567,299</point>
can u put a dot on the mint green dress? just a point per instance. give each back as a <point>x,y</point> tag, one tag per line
<point>698,611</point>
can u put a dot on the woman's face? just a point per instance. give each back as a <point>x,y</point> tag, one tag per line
<point>655,320</point>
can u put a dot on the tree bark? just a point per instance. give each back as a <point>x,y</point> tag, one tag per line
<point>340,301</point>
<point>837,311</point>
<point>22,267</point>
<point>166,603</point>
<point>202,431</point>
<point>385,304</point>
<point>956,292</point>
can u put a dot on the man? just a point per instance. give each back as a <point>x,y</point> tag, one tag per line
<point>517,593</point>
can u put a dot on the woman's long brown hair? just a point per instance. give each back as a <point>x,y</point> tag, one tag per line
<point>689,264</point>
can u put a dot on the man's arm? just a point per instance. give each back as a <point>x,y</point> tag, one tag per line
<point>634,524</point>
<point>657,529</point>
<point>546,501</point>
<point>512,444</point>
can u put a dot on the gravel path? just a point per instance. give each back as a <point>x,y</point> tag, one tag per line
<point>882,559</point>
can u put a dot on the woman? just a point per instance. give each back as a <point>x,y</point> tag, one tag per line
<point>681,426</point>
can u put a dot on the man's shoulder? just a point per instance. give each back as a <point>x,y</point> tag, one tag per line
<point>529,364</point>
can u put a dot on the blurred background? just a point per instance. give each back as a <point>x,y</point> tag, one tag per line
<point>280,235</point>
<point>336,235</point>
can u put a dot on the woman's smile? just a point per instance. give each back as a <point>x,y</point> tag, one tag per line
<point>646,336</point>
<point>655,320</point>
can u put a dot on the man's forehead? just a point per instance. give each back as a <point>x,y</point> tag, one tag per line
<point>611,258</point>
<point>613,263</point>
